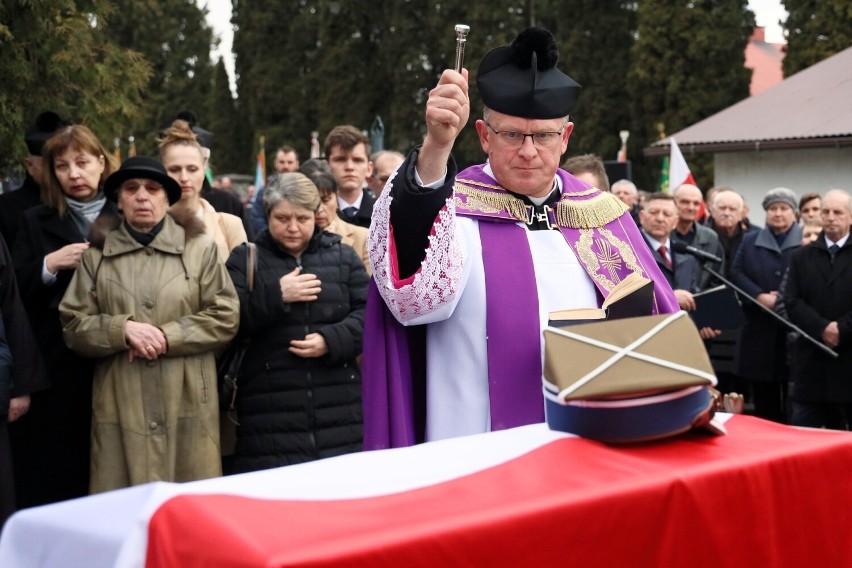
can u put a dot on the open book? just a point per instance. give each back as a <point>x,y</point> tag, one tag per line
<point>632,297</point>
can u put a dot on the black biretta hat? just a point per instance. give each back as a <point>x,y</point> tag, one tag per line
<point>142,167</point>
<point>522,79</point>
<point>46,125</point>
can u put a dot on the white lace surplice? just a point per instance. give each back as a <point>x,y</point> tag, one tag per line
<point>448,294</point>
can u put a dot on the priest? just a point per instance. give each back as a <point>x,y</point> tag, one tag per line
<point>468,265</point>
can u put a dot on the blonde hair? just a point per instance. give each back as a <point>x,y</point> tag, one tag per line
<point>76,137</point>
<point>179,133</point>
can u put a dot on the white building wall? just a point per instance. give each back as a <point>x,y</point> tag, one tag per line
<point>754,173</point>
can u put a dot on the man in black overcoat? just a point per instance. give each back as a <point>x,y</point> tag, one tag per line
<point>818,296</point>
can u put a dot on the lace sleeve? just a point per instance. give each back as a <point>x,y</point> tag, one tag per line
<point>431,293</point>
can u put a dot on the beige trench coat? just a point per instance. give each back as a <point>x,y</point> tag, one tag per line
<point>152,420</point>
<point>354,236</point>
<point>226,230</point>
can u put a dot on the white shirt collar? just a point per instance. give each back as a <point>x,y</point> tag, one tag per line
<point>342,204</point>
<point>655,244</point>
<point>840,243</point>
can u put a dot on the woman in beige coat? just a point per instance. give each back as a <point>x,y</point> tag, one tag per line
<point>184,161</point>
<point>328,220</point>
<point>152,302</point>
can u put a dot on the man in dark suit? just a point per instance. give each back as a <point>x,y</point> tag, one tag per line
<point>818,297</point>
<point>658,218</point>
<point>689,201</point>
<point>347,150</point>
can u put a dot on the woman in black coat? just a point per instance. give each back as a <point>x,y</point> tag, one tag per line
<point>758,268</point>
<point>299,392</point>
<point>51,443</point>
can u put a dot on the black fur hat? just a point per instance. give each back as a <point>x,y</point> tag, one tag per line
<point>522,79</point>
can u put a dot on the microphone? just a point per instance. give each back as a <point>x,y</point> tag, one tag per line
<point>683,248</point>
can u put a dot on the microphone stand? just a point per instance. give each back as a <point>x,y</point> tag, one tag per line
<point>822,346</point>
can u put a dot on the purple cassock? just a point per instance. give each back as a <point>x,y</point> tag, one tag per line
<point>596,226</point>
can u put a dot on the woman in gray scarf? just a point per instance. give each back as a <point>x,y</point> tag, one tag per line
<point>50,444</point>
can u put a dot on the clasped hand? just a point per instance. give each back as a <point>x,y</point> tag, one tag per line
<point>145,340</point>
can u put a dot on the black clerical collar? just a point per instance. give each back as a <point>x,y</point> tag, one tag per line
<point>145,238</point>
<point>539,217</point>
<point>554,196</point>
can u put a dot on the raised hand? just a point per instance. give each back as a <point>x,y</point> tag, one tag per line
<point>447,112</point>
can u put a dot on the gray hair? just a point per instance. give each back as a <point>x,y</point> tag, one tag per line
<point>844,193</point>
<point>626,183</point>
<point>295,188</point>
<point>727,190</point>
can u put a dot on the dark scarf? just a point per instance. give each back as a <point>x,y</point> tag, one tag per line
<point>145,238</point>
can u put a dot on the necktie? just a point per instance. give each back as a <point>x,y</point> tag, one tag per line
<point>663,250</point>
<point>832,250</point>
<point>350,212</point>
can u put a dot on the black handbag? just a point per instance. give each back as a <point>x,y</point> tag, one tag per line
<point>231,360</point>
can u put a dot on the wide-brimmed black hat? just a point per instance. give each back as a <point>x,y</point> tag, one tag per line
<point>142,167</point>
<point>46,125</point>
<point>522,79</point>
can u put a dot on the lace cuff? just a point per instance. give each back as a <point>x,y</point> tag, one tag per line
<point>421,297</point>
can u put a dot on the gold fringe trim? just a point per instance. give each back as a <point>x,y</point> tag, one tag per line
<point>589,213</point>
<point>491,202</point>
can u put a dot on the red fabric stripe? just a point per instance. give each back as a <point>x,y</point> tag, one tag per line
<point>761,496</point>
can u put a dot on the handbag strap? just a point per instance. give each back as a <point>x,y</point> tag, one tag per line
<point>250,266</point>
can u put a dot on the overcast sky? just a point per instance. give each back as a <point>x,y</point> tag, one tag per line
<point>767,12</point>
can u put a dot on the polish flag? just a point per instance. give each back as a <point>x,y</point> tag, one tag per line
<point>526,496</point>
<point>679,173</point>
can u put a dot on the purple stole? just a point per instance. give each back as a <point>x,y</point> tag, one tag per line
<point>606,241</point>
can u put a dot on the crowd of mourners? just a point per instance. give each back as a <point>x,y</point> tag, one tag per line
<point>121,284</point>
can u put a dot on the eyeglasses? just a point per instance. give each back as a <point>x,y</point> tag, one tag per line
<point>515,139</point>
